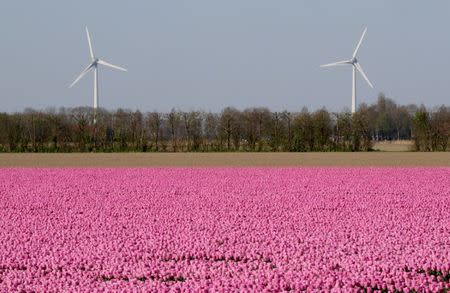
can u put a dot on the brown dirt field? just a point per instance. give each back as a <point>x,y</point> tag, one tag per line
<point>394,146</point>
<point>224,159</point>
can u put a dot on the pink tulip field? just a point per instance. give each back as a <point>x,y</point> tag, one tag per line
<point>225,229</point>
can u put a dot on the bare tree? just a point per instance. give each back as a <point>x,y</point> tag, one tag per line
<point>322,128</point>
<point>122,128</point>
<point>344,131</point>
<point>226,125</point>
<point>303,132</point>
<point>82,129</point>
<point>440,129</point>
<point>250,127</point>
<point>277,130</point>
<point>361,130</point>
<point>155,121</point>
<point>211,132</point>
<point>287,121</point>
<point>173,120</point>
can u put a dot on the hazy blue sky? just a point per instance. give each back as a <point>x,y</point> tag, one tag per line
<point>206,54</point>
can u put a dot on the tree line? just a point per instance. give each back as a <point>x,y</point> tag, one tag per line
<point>252,129</point>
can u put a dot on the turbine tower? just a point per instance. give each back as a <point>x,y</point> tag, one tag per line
<point>94,66</point>
<point>356,67</point>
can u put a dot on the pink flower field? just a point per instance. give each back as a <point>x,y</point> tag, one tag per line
<point>225,229</point>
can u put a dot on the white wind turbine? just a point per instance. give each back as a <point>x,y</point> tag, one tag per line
<point>94,66</point>
<point>356,66</point>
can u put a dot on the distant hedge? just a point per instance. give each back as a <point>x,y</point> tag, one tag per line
<point>253,129</point>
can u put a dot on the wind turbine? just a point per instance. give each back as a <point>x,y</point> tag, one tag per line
<point>356,67</point>
<point>94,66</point>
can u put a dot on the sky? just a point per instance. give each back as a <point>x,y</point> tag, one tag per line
<point>210,54</point>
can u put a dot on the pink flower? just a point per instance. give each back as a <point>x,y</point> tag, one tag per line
<point>224,229</point>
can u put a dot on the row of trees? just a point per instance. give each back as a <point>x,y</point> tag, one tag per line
<point>253,129</point>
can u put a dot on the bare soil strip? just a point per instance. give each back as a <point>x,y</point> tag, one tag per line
<point>394,146</point>
<point>224,159</point>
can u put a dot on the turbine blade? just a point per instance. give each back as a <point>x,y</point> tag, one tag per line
<point>346,62</point>
<point>83,73</point>
<point>103,62</point>
<point>359,68</point>
<point>91,51</point>
<point>359,43</point>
